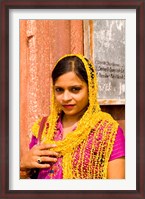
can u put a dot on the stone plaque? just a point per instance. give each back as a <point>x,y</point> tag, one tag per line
<point>106,40</point>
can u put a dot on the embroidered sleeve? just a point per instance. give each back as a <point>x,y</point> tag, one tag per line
<point>119,145</point>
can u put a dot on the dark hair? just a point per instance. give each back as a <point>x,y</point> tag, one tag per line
<point>68,64</point>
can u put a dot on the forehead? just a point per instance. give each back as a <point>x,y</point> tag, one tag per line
<point>69,78</point>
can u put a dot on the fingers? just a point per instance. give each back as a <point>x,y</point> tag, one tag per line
<point>47,153</point>
<point>40,165</point>
<point>43,166</point>
<point>44,150</point>
<point>44,156</point>
<point>46,146</point>
<point>46,159</point>
<point>44,162</point>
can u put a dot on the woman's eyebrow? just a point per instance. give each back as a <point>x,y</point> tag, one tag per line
<point>78,85</point>
<point>75,85</point>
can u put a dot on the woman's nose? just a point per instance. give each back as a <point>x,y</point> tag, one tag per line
<point>66,96</point>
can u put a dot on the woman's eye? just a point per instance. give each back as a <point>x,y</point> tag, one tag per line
<point>76,89</point>
<point>58,90</point>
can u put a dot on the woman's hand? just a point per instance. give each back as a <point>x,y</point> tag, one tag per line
<point>40,156</point>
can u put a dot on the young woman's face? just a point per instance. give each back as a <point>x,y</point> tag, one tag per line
<point>71,94</point>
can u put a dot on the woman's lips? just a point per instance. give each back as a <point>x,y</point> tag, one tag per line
<point>69,106</point>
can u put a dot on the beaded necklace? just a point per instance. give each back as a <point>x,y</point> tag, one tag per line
<point>93,120</point>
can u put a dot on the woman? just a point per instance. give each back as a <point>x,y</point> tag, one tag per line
<point>77,140</point>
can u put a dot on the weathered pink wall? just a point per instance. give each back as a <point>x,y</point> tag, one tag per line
<point>42,42</point>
